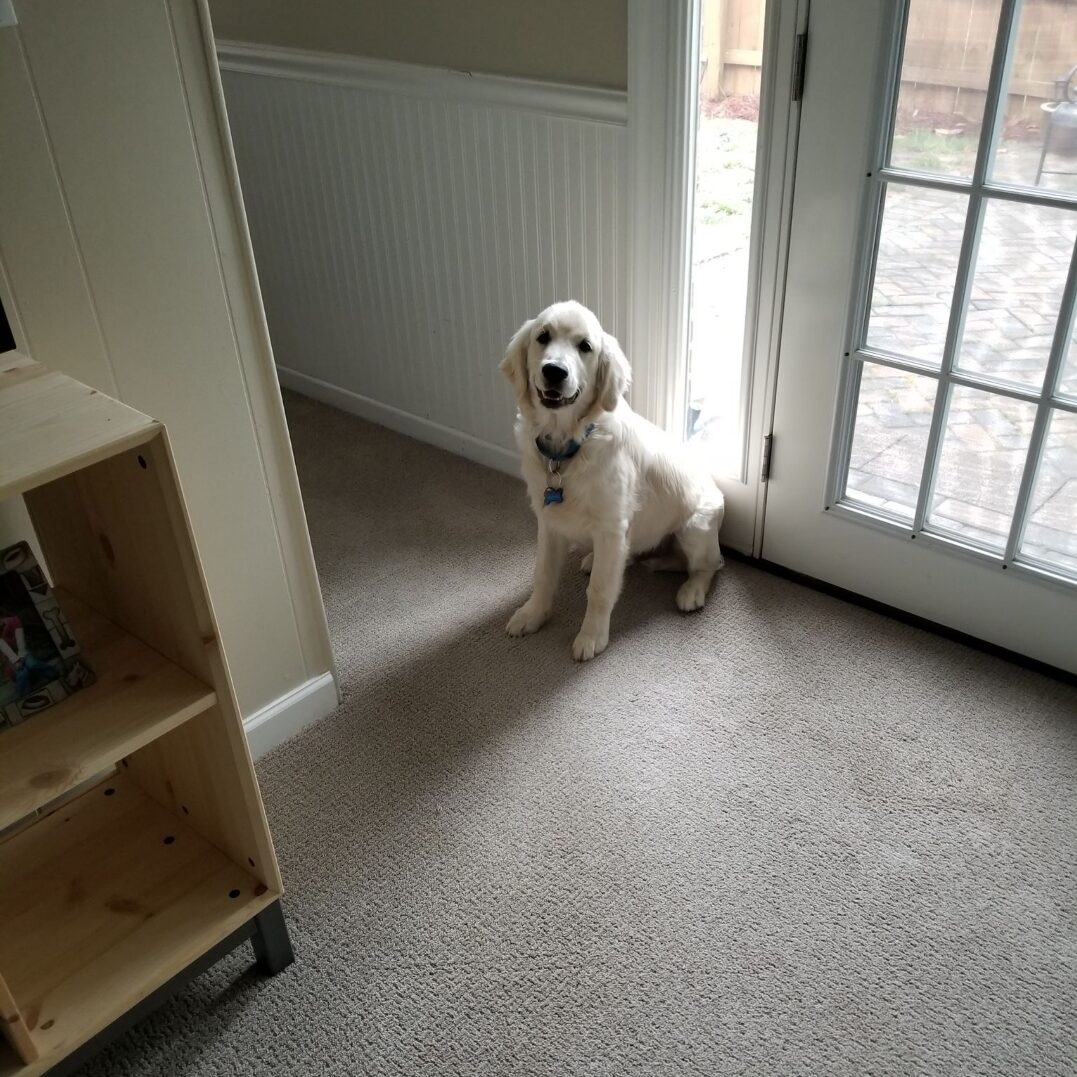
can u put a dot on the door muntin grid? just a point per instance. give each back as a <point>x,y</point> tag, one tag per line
<point>1027,396</point>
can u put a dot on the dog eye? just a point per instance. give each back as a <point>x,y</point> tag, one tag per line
<point>585,346</point>
<point>543,337</point>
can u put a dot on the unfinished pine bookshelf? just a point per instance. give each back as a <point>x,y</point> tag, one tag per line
<point>115,891</point>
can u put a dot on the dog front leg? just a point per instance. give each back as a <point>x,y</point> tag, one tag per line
<point>549,559</point>
<point>607,572</point>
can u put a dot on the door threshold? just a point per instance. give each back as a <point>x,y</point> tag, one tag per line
<point>904,616</point>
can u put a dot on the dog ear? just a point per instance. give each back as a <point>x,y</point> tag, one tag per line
<point>514,365</point>
<point>614,373</point>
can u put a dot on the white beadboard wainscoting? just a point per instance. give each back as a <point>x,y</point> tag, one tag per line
<point>406,220</point>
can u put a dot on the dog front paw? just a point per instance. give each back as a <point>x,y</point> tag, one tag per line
<point>527,619</point>
<point>691,596</point>
<point>588,644</point>
<point>586,563</point>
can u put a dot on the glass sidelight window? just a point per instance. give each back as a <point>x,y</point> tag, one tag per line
<point>959,415</point>
<point>728,134</point>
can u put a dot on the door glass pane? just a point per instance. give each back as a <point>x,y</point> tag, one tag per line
<point>1022,260</point>
<point>944,72</point>
<point>1051,533</point>
<point>893,416</point>
<point>984,447</point>
<point>1037,144</point>
<point>1017,272</point>
<point>731,49</point>
<point>1067,385</point>
<point>919,244</point>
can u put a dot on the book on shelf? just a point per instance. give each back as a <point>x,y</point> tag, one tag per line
<point>41,662</point>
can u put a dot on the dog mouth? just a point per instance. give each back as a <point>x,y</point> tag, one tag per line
<point>554,398</point>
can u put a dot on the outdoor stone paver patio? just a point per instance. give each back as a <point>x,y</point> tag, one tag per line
<point>983,455</point>
<point>1022,261</point>
<point>1023,257</point>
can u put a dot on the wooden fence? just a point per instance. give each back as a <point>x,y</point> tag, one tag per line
<point>731,47</point>
<point>947,54</point>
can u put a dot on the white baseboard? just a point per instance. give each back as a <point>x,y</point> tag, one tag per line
<point>403,422</point>
<point>284,717</point>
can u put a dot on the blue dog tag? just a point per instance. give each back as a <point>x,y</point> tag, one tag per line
<point>552,496</point>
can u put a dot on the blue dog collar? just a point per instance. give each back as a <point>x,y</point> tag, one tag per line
<point>569,451</point>
<point>555,495</point>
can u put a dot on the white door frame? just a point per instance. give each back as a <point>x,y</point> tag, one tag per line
<point>663,54</point>
<point>663,102</point>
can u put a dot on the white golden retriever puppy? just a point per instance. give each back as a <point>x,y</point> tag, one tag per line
<point>599,476</point>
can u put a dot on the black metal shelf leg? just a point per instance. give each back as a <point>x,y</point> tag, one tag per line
<point>272,947</point>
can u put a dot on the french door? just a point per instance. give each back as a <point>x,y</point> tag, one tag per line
<point>925,417</point>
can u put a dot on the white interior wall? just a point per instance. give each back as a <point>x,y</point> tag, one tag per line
<point>558,40</point>
<point>125,263</point>
<point>406,220</point>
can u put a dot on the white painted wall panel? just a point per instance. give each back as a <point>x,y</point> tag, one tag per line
<point>405,224</point>
<point>123,262</point>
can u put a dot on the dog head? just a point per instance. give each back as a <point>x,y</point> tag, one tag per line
<point>563,362</point>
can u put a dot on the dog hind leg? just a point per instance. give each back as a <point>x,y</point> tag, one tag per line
<point>698,540</point>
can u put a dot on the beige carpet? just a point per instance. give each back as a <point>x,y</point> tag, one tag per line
<point>784,836</point>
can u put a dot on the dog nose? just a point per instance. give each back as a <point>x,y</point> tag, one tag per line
<point>554,373</point>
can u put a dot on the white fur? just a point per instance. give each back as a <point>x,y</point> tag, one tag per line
<point>629,488</point>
